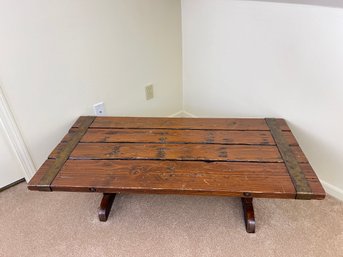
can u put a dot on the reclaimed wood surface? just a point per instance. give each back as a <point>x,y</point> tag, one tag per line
<point>185,123</point>
<point>228,157</point>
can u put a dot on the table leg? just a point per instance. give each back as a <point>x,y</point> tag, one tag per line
<point>249,216</point>
<point>105,206</point>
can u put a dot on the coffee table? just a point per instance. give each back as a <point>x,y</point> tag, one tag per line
<point>239,157</point>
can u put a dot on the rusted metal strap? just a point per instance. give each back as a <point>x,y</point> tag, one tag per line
<point>49,176</point>
<point>303,190</point>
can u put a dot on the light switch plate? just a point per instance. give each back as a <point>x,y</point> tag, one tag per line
<point>149,92</point>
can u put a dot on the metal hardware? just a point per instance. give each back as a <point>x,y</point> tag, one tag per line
<point>247,194</point>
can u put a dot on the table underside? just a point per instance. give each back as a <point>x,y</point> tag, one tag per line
<point>228,157</point>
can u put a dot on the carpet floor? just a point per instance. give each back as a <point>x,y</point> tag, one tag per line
<point>66,224</point>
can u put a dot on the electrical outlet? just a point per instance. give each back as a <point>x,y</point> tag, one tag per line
<point>149,92</point>
<point>99,109</point>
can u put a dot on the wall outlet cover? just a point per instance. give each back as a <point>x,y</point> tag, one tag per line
<point>99,109</point>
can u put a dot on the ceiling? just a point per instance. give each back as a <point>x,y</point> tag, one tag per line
<point>328,3</point>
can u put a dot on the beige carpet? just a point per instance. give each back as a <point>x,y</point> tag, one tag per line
<point>66,224</point>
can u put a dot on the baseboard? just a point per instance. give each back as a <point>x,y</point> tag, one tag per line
<point>187,114</point>
<point>177,114</point>
<point>332,190</point>
<point>12,184</point>
<point>16,141</point>
<point>182,114</point>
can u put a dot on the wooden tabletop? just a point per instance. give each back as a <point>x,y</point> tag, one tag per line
<point>205,156</point>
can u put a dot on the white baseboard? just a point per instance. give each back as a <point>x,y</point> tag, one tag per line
<point>16,141</point>
<point>187,114</point>
<point>177,114</point>
<point>332,190</point>
<point>182,114</point>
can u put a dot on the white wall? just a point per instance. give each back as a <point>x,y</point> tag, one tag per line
<point>240,58</point>
<point>265,59</point>
<point>59,57</point>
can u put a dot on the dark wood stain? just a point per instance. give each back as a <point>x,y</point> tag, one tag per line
<point>116,150</point>
<point>229,157</point>
<point>161,154</point>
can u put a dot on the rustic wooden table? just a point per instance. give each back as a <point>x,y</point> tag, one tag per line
<point>243,158</point>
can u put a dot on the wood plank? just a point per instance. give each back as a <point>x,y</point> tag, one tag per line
<point>57,150</point>
<point>180,123</point>
<point>282,124</point>
<point>178,136</point>
<point>48,177</point>
<point>299,180</point>
<point>176,177</point>
<point>69,135</point>
<point>316,187</point>
<point>34,182</point>
<point>81,120</point>
<point>210,152</point>
<point>290,138</point>
<point>300,156</point>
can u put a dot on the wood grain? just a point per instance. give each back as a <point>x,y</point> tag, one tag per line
<point>176,152</point>
<point>180,123</point>
<point>81,120</point>
<point>300,156</point>
<point>229,157</point>
<point>317,188</point>
<point>182,136</point>
<point>34,182</point>
<point>179,177</point>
